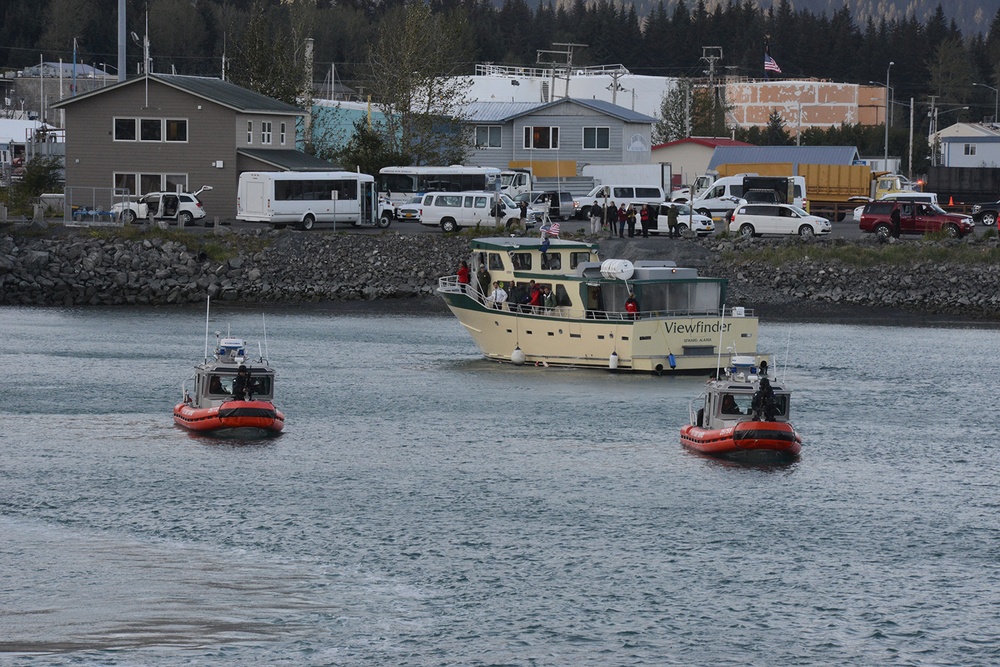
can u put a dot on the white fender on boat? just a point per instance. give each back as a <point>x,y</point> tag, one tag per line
<point>613,361</point>
<point>517,356</point>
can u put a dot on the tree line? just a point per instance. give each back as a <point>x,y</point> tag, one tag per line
<point>262,42</point>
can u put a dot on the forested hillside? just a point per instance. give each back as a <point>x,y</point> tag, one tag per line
<point>819,38</point>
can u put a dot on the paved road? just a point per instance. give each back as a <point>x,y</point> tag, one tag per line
<point>845,229</point>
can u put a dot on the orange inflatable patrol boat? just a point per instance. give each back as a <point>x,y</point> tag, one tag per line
<point>230,395</point>
<point>743,415</point>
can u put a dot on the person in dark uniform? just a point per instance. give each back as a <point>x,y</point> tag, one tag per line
<point>243,386</point>
<point>763,405</point>
<point>894,217</point>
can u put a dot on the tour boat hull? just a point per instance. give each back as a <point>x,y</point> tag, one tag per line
<point>562,338</point>
<point>746,440</point>
<point>232,419</point>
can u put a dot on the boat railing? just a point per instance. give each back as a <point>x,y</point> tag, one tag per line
<point>450,284</point>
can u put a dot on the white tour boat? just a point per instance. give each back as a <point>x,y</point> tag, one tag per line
<point>679,321</point>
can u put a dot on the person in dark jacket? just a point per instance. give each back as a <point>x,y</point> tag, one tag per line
<point>894,218</point>
<point>243,386</point>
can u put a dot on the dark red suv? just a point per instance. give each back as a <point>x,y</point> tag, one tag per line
<point>914,218</point>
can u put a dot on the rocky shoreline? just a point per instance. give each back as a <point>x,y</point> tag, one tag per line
<point>69,267</point>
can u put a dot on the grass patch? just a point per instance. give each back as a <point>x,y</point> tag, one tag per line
<point>893,254</point>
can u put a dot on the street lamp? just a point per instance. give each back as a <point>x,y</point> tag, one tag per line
<point>886,156</point>
<point>996,100</point>
<point>892,96</point>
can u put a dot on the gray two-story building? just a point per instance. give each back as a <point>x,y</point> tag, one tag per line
<point>559,138</point>
<point>163,132</point>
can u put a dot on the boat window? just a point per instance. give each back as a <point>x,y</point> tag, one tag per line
<point>263,384</point>
<point>220,385</point>
<point>780,405</point>
<point>496,262</point>
<point>697,297</point>
<point>736,404</point>
<point>577,258</point>
<point>521,261</point>
<point>614,295</point>
<point>551,261</point>
<point>562,296</point>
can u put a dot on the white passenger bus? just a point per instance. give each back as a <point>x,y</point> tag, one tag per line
<point>400,184</point>
<point>304,198</point>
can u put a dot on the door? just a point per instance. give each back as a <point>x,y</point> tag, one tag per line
<point>368,196</point>
<point>907,219</point>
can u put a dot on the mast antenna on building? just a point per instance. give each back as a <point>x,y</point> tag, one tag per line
<point>560,61</point>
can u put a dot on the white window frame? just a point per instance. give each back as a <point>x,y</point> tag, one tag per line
<point>114,128</point>
<point>249,132</point>
<point>281,133</point>
<point>490,130</point>
<point>137,178</point>
<point>597,132</point>
<point>529,137</point>
<point>970,149</point>
<point>265,133</point>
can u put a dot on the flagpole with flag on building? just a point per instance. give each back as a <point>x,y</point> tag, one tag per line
<point>769,64</point>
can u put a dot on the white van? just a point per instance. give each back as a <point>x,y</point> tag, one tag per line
<point>454,210</point>
<point>637,194</point>
<point>725,193</point>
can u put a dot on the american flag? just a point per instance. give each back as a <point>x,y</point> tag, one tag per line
<point>770,65</point>
<point>553,230</point>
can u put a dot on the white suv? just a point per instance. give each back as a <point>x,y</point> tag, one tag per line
<point>757,219</point>
<point>183,207</point>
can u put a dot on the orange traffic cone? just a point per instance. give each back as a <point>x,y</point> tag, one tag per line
<point>951,201</point>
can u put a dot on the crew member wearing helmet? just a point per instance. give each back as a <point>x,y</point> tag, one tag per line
<point>243,386</point>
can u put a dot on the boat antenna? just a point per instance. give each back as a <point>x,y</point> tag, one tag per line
<point>208,308</point>
<point>718,361</point>
<point>784,369</point>
<point>264,322</point>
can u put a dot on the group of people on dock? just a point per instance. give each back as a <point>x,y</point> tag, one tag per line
<point>611,219</point>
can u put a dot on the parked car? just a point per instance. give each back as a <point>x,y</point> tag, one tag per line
<point>410,210</point>
<point>561,205</point>
<point>924,197</point>
<point>702,225</point>
<point>182,207</point>
<point>986,214</point>
<point>758,219</point>
<point>915,218</point>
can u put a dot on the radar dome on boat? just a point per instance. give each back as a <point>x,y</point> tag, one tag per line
<point>620,269</point>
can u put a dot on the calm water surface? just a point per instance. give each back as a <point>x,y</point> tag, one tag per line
<point>427,507</point>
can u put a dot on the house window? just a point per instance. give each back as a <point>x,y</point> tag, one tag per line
<point>150,183</point>
<point>281,135</point>
<point>125,182</point>
<point>171,182</point>
<point>249,131</point>
<point>596,138</point>
<point>150,129</point>
<point>970,149</point>
<point>541,137</point>
<point>265,132</point>
<point>125,129</point>
<point>488,136</point>
<point>177,130</point>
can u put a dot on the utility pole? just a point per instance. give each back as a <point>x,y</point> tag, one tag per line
<point>909,170</point>
<point>712,55</point>
<point>933,129</point>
